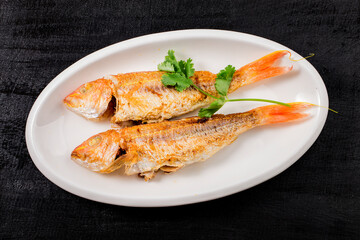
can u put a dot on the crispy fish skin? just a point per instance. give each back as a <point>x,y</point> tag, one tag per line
<point>171,145</point>
<point>141,96</point>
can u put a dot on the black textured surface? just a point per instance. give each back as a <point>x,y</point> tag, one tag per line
<point>317,198</point>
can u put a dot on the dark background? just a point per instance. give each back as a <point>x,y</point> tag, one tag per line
<point>316,198</point>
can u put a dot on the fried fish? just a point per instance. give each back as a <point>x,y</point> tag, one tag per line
<point>141,96</point>
<point>171,145</point>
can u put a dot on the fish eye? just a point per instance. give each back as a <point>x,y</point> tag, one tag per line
<point>96,140</point>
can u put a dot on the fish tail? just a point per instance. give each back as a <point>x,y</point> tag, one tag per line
<point>278,113</point>
<point>262,68</point>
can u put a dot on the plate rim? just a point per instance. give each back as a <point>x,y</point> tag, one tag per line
<point>161,201</point>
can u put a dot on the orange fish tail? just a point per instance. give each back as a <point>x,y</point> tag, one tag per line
<point>262,68</point>
<point>279,113</point>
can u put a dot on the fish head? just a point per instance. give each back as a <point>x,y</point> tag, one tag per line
<point>91,100</point>
<point>100,152</point>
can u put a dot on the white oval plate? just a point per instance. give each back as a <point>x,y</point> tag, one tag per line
<point>52,131</point>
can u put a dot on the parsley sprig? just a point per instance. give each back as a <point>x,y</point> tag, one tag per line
<point>179,73</point>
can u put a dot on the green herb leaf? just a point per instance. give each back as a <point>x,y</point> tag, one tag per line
<point>179,73</point>
<point>170,64</point>
<point>223,80</point>
<point>166,67</point>
<point>213,108</point>
<point>172,59</point>
<point>189,68</point>
<point>177,80</point>
<point>182,65</point>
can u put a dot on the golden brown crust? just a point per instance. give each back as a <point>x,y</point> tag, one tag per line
<point>142,96</point>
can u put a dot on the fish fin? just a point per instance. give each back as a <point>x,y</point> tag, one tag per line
<point>278,113</point>
<point>147,175</point>
<point>170,169</point>
<point>262,68</point>
<point>119,162</point>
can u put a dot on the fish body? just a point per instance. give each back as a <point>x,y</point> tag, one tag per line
<point>141,96</point>
<point>171,145</point>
